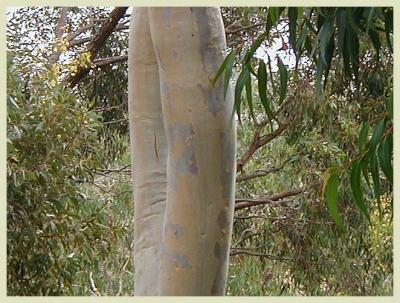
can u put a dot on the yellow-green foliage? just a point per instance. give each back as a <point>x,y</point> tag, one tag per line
<point>58,232</point>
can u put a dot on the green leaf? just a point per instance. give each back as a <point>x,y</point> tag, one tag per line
<point>376,136</point>
<point>325,34</point>
<point>292,14</point>
<point>240,83</point>
<point>13,102</point>
<point>364,167</point>
<point>346,61</point>
<point>328,58</point>
<point>283,77</point>
<point>385,159</point>
<point>272,18</point>
<point>353,51</point>
<point>318,78</point>
<point>355,182</point>
<point>341,26</point>
<point>228,70</point>
<point>374,168</point>
<point>376,42</point>
<point>332,198</point>
<point>275,13</point>
<point>254,47</point>
<point>300,43</point>
<point>227,62</point>
<point>249,98</point>
<point>390,106</point>
<point>363,137</point>
<point>308,46</point>
<point>388,12</point>
<point>371,14</point>
<point>262,89</point>
<point>353,18</point>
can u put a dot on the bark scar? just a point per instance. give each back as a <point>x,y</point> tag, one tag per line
<point>155,146</point>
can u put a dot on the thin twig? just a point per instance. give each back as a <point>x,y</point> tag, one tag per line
<point>234,31</point>
<point>115,121</point>
<point>92,285</point>
<point>251,253</point>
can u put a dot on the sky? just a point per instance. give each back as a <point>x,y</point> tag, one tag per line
<point>287,57</point>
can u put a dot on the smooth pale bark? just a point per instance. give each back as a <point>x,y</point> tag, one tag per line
<point>190,47</point>
<point>181,248</point>
<point>149,154</point>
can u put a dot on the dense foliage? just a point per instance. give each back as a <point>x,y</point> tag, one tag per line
<point>313,91</point>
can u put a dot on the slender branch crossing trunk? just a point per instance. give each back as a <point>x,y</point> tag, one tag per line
<point>189,44</point>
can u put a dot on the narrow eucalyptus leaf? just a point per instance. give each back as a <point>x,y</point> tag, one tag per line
<point>253,48</point>
<point>332,197</point>
<point>292,13</point>
<point>371,13</point>
<point>385,159</point>
<point>341,27</point>
<point>249,98</point>
<point>355,182</point>
<point>262,89</point>
<point>362,139</point>
<point>376,136</point>
<point>223,66</point>
<point>374,168</point>
<point>228,70</point>
<point>283,77</point>
<point>240,83</point>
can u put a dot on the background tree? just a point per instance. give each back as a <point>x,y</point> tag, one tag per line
<point>286,237</point>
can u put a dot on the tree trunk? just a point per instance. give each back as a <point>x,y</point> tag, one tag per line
<point>201,145</point>
<point>149,153</point>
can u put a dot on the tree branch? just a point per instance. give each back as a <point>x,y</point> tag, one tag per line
<point>59,31</point>
<point>79,31</point>
<point>115,121</point>
<point>277,198</point>
<point>257,174</point>
<point>97,42</point>
<point>259,141</point>
<point>110,60</point>
<point>80,41</point>
<point>234,31</point>
<point>106,109</point>
<point>261,172</point>
<point>117,170</point>
<point>251,253</point>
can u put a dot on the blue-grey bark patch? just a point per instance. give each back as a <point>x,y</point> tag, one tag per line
<point>220,252</point>
<point>186,163</point>
<point>214,98</point>
<point>179,259</point>
<point>212,57</point>
<point>166,13</point>
<point>222,219</point>
<point>218,287</point>
<point>228,168</point>
<point>175,228</point>
<point>211,47</point>
<point>179,131</point>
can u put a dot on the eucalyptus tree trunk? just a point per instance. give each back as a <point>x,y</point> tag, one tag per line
<point>149,153</point>
<point>186,244</point>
